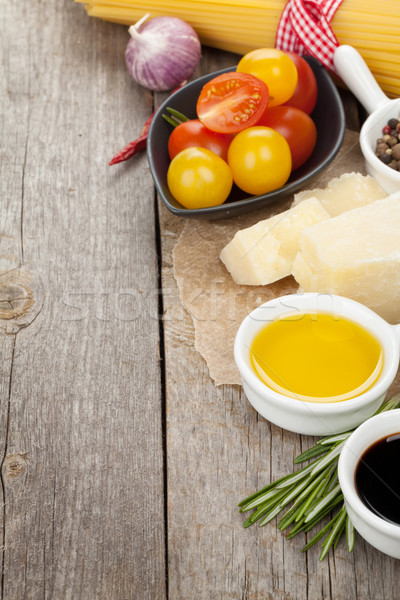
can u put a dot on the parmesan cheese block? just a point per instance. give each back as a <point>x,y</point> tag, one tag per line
<point>343,193</point>
<point>263,253</point>
<point>356,254</point>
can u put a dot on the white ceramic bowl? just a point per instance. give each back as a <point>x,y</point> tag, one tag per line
<point>316,418</point>
<point>355,73</point>
<point>379,533</point>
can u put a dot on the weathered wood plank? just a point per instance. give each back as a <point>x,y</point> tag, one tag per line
<point>80,420</point>
<point>219,451</point>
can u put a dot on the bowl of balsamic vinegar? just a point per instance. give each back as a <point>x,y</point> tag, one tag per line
<point>369,477</point>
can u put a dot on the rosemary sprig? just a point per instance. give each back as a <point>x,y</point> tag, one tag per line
<point>313,492</point>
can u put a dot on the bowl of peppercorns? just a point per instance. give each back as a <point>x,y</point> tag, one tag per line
<point>380,144</point>
<point>380,133</point>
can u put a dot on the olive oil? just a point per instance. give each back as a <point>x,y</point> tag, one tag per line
<point>316,357</point>
<point>377,478</point>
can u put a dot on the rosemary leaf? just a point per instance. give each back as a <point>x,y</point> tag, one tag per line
<point>288,517</point>
<point>296,529</point>
<point>334,479</point>
<point>266,506</point>
<point>302,502</point>
<point>310,453</point>
<point>322,503</point>
<point>321,515</point>
<point>334,439</point>
<point>328,458</point>
<point>319,535</point>
<point>295,492</point>
<point>314,481</point>
<point>314,494</point>
<point>340,517</point>
<point>340,532</point>
<point>270,516</point>
<point>264,489</point>
<point>350,538</point>
<point>259,500</point>
<point>298,475</point>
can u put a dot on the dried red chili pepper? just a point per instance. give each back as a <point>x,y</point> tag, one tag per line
<point>133,147</point>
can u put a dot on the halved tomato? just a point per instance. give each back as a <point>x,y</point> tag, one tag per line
<point>232,101</point>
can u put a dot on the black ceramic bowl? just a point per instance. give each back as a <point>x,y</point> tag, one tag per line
<point>328,116</point>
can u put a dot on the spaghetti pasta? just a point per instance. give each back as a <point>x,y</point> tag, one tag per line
<point>243,25</point>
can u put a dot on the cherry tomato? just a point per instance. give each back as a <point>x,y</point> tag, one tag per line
<point>275,68</point>
<point>194,133</point>
<point>306,92</point>
<point>197,178</point>
<point>232,101</point>
<point>297,128</point>
<point>260,160</point>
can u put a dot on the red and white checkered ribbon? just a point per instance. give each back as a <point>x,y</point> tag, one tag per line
<point>305,28</point>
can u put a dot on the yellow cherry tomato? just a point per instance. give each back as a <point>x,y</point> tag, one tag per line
<point>260,160</point>
<point>274,68</point>
<point>198,178</point>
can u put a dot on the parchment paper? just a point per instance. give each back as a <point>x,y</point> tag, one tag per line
<point>216,303</point>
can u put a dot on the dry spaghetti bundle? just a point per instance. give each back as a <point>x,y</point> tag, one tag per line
<point>242,25</point>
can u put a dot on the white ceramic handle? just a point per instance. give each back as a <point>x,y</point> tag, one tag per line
<point>352,68</point>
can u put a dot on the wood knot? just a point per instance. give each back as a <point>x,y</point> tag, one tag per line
<point>20,299</point>
<point>14,465</point>
<point>16,299</point>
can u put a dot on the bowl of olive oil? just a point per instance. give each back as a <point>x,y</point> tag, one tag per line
<point>317,364</point>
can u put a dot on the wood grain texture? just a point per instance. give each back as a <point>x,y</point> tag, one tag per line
<point>219,451</point>
<point>80,418</point>
<point>82,371</point>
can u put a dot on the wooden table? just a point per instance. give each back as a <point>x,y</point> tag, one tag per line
<point>122,463</point>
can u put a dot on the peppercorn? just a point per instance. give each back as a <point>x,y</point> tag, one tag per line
<point>396,152</point>
<point>393,123</point>
<point>385,158</point>
<point>392,141</point>
<point>386,129</point>
<point>393,164</point>
<point>381,147</point>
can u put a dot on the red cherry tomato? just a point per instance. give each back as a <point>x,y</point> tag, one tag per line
<point>194,133</point>
<point>297,128</point>
<point>305,94</point>
<point>231,102</point>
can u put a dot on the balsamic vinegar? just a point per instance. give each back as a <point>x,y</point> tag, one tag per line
<point>377,478</point>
